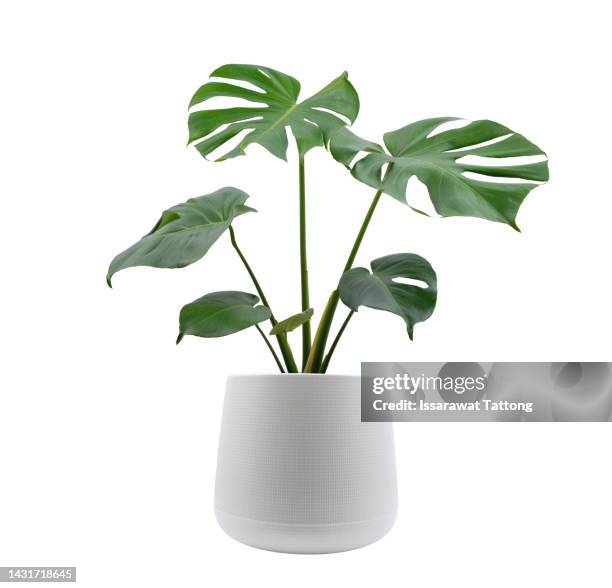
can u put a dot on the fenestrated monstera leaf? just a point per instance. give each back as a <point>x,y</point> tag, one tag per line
<point>436,161</point>
<point>221,313</point>
<point>292,323</point>
<point>185,232</point>
<point>269,110</point>
<point>382,290</point>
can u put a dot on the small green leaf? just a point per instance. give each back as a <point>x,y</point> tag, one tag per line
<point>292,323</point>
<point>437,161</point>
<point>269,110</point>
<point>185,232</point>
<point>221,313</point>
<point>382,289</point>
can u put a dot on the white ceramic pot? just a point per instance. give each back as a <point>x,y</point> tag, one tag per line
<point>298,471</point>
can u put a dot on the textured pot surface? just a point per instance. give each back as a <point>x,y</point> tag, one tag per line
<point>297,470</point>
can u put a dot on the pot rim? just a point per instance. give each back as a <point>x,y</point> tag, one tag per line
<point>297,376</point>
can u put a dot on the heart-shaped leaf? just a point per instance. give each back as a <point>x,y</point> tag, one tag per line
<point>383,290</point>
<point>437,161</point>
<point>292,323</point>
<point>269,109</point>
<point>221,313</point>
<point>185,232</point>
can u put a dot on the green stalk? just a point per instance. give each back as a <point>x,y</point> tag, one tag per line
<point>362,231</point>
<point>318,346</point>
<point>306,335</point>
<point>335,343</point>
<point>282,338</point>
<point>317,353</point>
<point>278,363</point>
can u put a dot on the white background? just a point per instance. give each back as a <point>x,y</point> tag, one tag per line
<point>108,431</point>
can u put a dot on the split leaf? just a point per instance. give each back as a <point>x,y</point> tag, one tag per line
<point>383,290</point>
<point>270,108</point>
<point>436,159</point>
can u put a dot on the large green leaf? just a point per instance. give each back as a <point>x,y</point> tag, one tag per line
<point>292,323</point>
<point>382,289</point>
<point>221,313</point>
<point>185,232</point>
<point>268,111</point>
<point>435,159</point>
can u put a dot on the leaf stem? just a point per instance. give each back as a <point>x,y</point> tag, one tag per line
<point>335,343</point>
<point>306,334</point>
<point>282,338</point>
<point>278,363</point>
<point>316,357</point>
<point>362,231</point>
<point>318,346</point>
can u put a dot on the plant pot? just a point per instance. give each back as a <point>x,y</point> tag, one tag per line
<point>298,472</point>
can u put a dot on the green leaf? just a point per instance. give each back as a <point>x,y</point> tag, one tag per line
<point>382,290</point>
<point>292,323</point>
<point>221,313</point>
<point>436,160</point>
<point>185,232</point>
<point>268,110</point>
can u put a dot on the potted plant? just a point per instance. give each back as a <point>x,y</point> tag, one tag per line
<point>297,470</point>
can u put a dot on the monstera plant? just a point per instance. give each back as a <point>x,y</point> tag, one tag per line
<point>442,158</point>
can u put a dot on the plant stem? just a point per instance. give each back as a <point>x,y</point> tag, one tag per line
<point>362,230</point>
<point>278,363</point>
<point>282,338</point>
<point>318,346</point>
<point>306,335</point>
<point>335,343</point>
<point>317,352</point>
